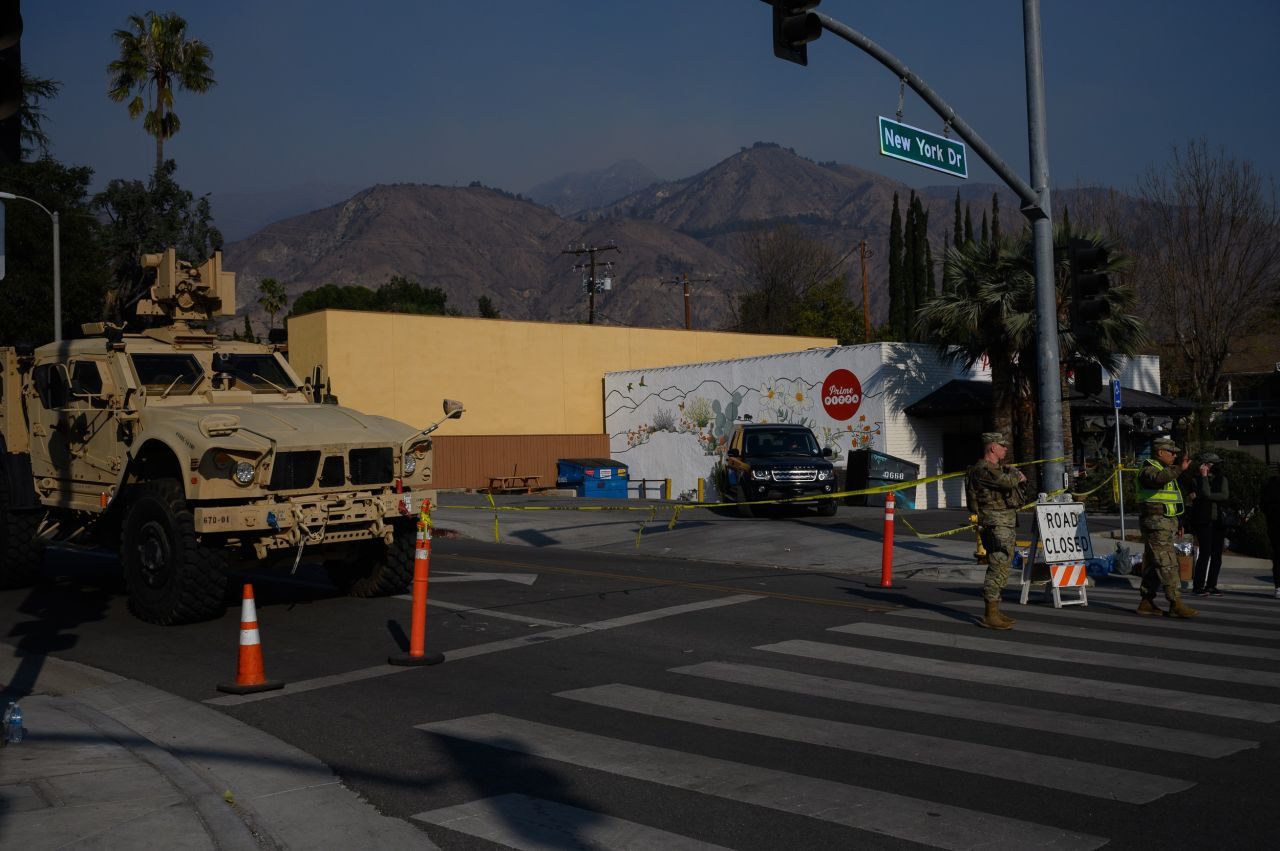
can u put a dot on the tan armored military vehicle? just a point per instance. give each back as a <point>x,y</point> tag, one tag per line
<point>195,455</point>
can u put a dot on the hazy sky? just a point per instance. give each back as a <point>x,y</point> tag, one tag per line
<point>513,92</point>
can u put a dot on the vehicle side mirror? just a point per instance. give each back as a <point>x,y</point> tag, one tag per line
<point>453,409</point>
<point>826,452</point>
<point>734,453</point>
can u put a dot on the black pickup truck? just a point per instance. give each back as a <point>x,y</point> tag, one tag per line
<point>773,460</point>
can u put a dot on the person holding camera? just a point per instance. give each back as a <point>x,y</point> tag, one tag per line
<point>1206,519</point>
<point>1160,505</point>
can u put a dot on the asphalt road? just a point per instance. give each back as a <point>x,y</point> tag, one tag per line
<point>614,698</point>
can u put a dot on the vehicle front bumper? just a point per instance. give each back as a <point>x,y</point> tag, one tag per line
<point>316,518</point>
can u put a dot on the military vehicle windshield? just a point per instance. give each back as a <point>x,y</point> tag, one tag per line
<point>260,373</point>
<point>168,374</point>
<point>781,442</point>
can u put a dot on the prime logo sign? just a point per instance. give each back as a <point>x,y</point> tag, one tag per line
<point>913,145</point>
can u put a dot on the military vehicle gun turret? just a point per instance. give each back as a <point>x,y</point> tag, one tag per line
<point>194,455</point>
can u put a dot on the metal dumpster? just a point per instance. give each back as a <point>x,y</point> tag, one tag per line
<point>602,478</point>
<point>870,469</point>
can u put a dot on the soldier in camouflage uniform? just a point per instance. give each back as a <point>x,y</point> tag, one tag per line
<point>1160,504</point>
<point>995,489</point>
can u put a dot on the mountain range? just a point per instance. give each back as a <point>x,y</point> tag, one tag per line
<point>478,241</point>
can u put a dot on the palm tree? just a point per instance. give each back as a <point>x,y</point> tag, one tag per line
<point>272,298</point>
<point>155,57</point>
<point>987,307</point>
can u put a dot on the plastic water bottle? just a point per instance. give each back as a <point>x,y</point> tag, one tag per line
<point>13,724</point>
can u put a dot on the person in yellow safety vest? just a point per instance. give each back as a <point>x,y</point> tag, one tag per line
<point>1160,504</point>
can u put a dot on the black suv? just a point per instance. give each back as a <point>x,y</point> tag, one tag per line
<point>772,460</point>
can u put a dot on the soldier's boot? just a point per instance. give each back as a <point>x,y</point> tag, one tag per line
<point>993,619</point>
<point>1179,609</point>
<point>1148,607</point>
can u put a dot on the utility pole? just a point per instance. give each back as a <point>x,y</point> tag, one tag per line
<point>591,284</point>
<point>795,25</point>
<point>864,253</point>
<point>688,312</point>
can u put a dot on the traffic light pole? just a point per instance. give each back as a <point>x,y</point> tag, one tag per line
<point>1035,206</point>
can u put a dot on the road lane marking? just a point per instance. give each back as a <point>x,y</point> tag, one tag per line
<point>484,649</point>
<point>1006,764</point>
<point>1260,600</point>
<point>1102,636</point>
<point>1146,696</point>
<point>1065,655</point>
<point>676,583</point>
<point>451,576</point>
<point>984,711</point>
<point>534,824</point>
<point>489,613</point>
<point>926,822</point>
<point>1105,614</point>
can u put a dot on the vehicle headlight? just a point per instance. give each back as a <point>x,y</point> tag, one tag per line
<point>410,464</point>
<point>762,475</point>
<point>823,475</point>
<point>244,473</point>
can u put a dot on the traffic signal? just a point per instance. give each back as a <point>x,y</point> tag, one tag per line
<point>1088,377</point>
<point>794,26</point>
<point>1089,285</point>
<point>10,81</point>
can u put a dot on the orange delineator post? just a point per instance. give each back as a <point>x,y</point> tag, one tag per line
<point>250,676</point>
<point>417,654</point>
<point>886,551</point>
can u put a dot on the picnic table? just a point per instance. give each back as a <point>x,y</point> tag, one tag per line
<point>514,484</point>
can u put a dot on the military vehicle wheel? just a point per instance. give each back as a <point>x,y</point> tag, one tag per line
<point>375,569</point>
<point>170,577</point>
<point>827,508</point>
<point>21,553</point>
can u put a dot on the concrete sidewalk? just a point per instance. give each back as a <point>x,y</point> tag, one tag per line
<point>112,763</point>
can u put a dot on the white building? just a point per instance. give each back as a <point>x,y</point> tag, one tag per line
<point>673,422</point>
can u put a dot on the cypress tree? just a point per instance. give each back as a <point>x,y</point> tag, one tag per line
<point>995,222</point>
<point>931,280</point>
<point>968,225</point>
<point>895,271</point>
<point>248,331</point>
<point>908,270</point>
<point>919,271</point>
<point>957,230</point>
<point>984,238</point>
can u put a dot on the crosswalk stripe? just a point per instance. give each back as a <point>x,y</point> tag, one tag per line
<point>1147,696</point>
<point>535,824</point>
<point>1025,717</point>
<point>1208,606</point>
<point>1243,602</point>
<point>926,822</point>
<point>1050,772</point>
<point>1071,655</point>
<point>1104,614</point>
<point>1100,637</point>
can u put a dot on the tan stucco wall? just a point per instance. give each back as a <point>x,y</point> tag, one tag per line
<point>514,377</point>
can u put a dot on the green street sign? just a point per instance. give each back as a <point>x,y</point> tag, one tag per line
<point>913,145</point>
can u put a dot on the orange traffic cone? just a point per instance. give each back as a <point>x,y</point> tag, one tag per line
<point>249,675</point>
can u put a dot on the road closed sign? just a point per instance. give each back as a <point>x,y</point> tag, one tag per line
<point>1064,532</point>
